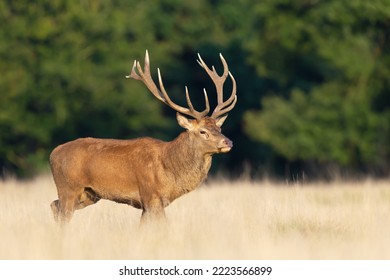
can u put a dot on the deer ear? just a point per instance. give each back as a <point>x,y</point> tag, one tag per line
<point>220,120</point>
<point>184,122</point>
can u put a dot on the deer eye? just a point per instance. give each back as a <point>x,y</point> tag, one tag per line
<point>204,134</point>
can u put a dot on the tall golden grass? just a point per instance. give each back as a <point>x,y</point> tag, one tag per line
<point>220,220</point>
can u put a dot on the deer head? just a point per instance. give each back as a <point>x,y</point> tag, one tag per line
<point>205,131</point>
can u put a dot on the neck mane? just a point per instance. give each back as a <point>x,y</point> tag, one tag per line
<point>184,159</point>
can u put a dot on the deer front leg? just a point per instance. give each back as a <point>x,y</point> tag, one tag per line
<point>153,211</point>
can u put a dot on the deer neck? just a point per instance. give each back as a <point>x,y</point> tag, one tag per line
<point>184,159</point>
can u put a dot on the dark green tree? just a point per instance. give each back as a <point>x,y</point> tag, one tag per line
<point>329,59</point>
<point>64,66</point>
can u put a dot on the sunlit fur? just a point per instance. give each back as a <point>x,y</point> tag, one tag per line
<point>145,173</point>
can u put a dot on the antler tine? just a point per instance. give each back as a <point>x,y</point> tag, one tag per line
<point>223,107</point>
<point>137,65</point>
<point>133,74</point>
<point>205,111</point>
<point>188,111</point>
<point>145,77</point>
<point>161,94</point>
<point>167,99</point>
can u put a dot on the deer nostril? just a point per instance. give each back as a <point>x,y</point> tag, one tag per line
<point>228,143</point>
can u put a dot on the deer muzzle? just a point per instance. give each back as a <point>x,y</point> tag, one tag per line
<point>225,145</point>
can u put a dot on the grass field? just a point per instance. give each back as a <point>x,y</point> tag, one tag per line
<point>220,220</point>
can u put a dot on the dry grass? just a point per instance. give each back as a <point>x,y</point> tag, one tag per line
<point>240,220</point>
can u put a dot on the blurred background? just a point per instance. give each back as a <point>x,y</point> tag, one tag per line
<point>313,80</point>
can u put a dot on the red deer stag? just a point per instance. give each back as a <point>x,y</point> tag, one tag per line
<point>145,173</point>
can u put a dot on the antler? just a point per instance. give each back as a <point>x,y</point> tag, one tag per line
<point>146,78</point>
<point>223,107</point>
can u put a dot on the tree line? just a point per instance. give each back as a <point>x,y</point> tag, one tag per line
<point>312,76</point>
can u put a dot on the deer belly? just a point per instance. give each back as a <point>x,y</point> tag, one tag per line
<point>114,182</point>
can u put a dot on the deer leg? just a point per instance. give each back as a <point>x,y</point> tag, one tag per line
<point>63,211</point>
<point>86,198</point>
<point>153,211</point>
<point>64,207</point>
<point>55,209</point>
<point>67,208</point>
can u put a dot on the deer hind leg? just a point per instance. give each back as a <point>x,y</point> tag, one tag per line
<point>86,198</point>
<point>68,198</point>
<point>64,207</point>
<point>55,209</point>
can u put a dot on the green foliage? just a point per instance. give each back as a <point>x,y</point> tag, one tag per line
<point>64,65</point>
<point>312,76</point>
<point>325,126</point>
<point>329,59</point>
